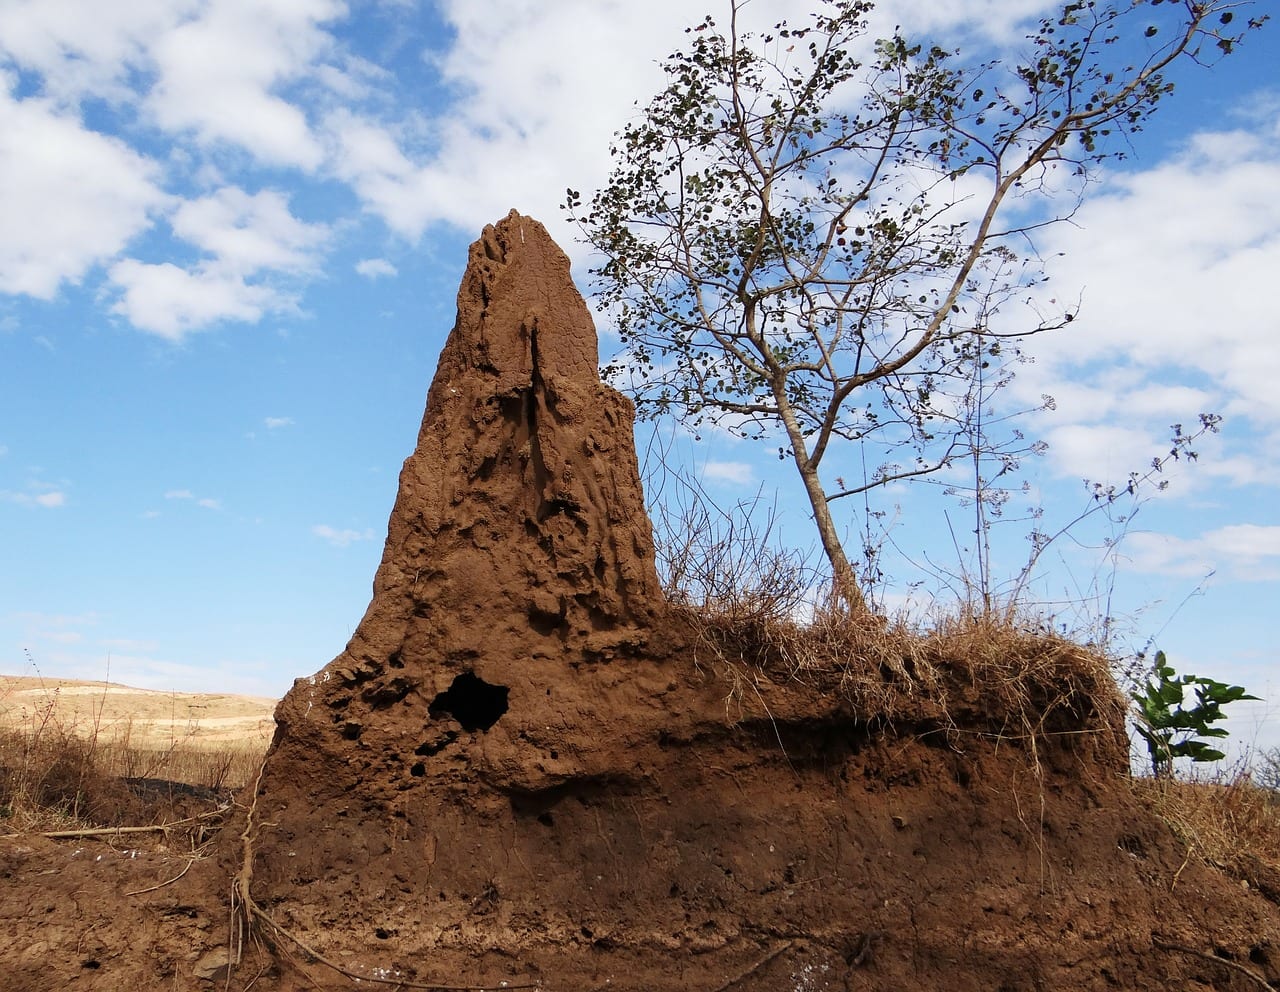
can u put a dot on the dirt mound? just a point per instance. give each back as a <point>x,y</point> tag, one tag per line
<point>525,770</point>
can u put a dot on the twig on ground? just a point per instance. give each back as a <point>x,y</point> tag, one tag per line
<point>108,831</point>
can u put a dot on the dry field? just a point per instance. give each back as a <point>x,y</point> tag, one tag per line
<point>67,748</point>
<point>145,718</point>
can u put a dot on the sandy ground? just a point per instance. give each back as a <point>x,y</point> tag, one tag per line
<point>149,718</point>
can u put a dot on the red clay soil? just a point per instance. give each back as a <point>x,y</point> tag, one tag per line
<point>525,770</point>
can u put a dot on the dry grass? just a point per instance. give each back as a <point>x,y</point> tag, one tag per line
<point>1227,821</point>
<point>57,773</point>
<point>962,674</point>
<point>755,608</point>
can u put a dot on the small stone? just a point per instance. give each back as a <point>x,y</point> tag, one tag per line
<point>213,965</point>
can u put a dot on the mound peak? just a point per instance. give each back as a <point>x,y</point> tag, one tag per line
<point>519,557</point>
<point>521,506</point>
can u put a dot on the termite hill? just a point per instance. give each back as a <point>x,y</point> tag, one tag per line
<point>519,563</point>
<point>527,769</point>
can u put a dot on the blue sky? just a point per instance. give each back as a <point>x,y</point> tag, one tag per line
<point>233,233</point>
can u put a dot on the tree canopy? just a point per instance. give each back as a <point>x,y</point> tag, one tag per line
<point>808,234</point>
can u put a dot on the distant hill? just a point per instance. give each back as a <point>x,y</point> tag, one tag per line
<point>147,717</point>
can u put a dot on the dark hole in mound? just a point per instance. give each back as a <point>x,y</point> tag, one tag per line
<point>429,748</point>
<point>543,622</point>
<point>472,701</point>
<point>393,691</point>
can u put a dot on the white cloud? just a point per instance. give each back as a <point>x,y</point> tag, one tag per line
<point>274,423</point>
<point>172,302</point>
<point>997,19</point>
<point>1250,552</point>
<point>737,473</point>
<point>271,79</point>
<point>71,198</point>
<point>1244,469</point>
<point>372,268</point>
<point>341,538</point>
<point>4,450</point>
<point>247,233</point>
<point>218,76</point>
<point>1174,321</point>
<point>527,121</point>
<point>252,240</point>
<point>211,70</point>
<point>84,48</point>
<point>366,155</point>
<point>186,494</point>
<point>48,499</point>
<point>1104,453</point>
<point>1177,291</point>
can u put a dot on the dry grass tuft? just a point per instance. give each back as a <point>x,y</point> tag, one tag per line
<point>57,775</point>
<point>47,782</point>
<point>1227,821</point>
<point>750,605</point>
<point>962,674</point>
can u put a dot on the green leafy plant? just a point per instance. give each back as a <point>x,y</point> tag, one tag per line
<point>1173,730</point>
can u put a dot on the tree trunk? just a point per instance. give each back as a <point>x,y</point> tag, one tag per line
<point>845,589</point>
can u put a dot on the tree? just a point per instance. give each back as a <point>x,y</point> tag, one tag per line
<point>800,237</point>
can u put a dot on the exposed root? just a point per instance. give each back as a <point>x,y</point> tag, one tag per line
<point>1249,972</point>
<point>753,968</point>
<point>241,898</point>
<point>153,888</point>
<point>153,828</point>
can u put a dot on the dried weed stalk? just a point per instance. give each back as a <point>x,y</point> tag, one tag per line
<point>1227,822</point>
